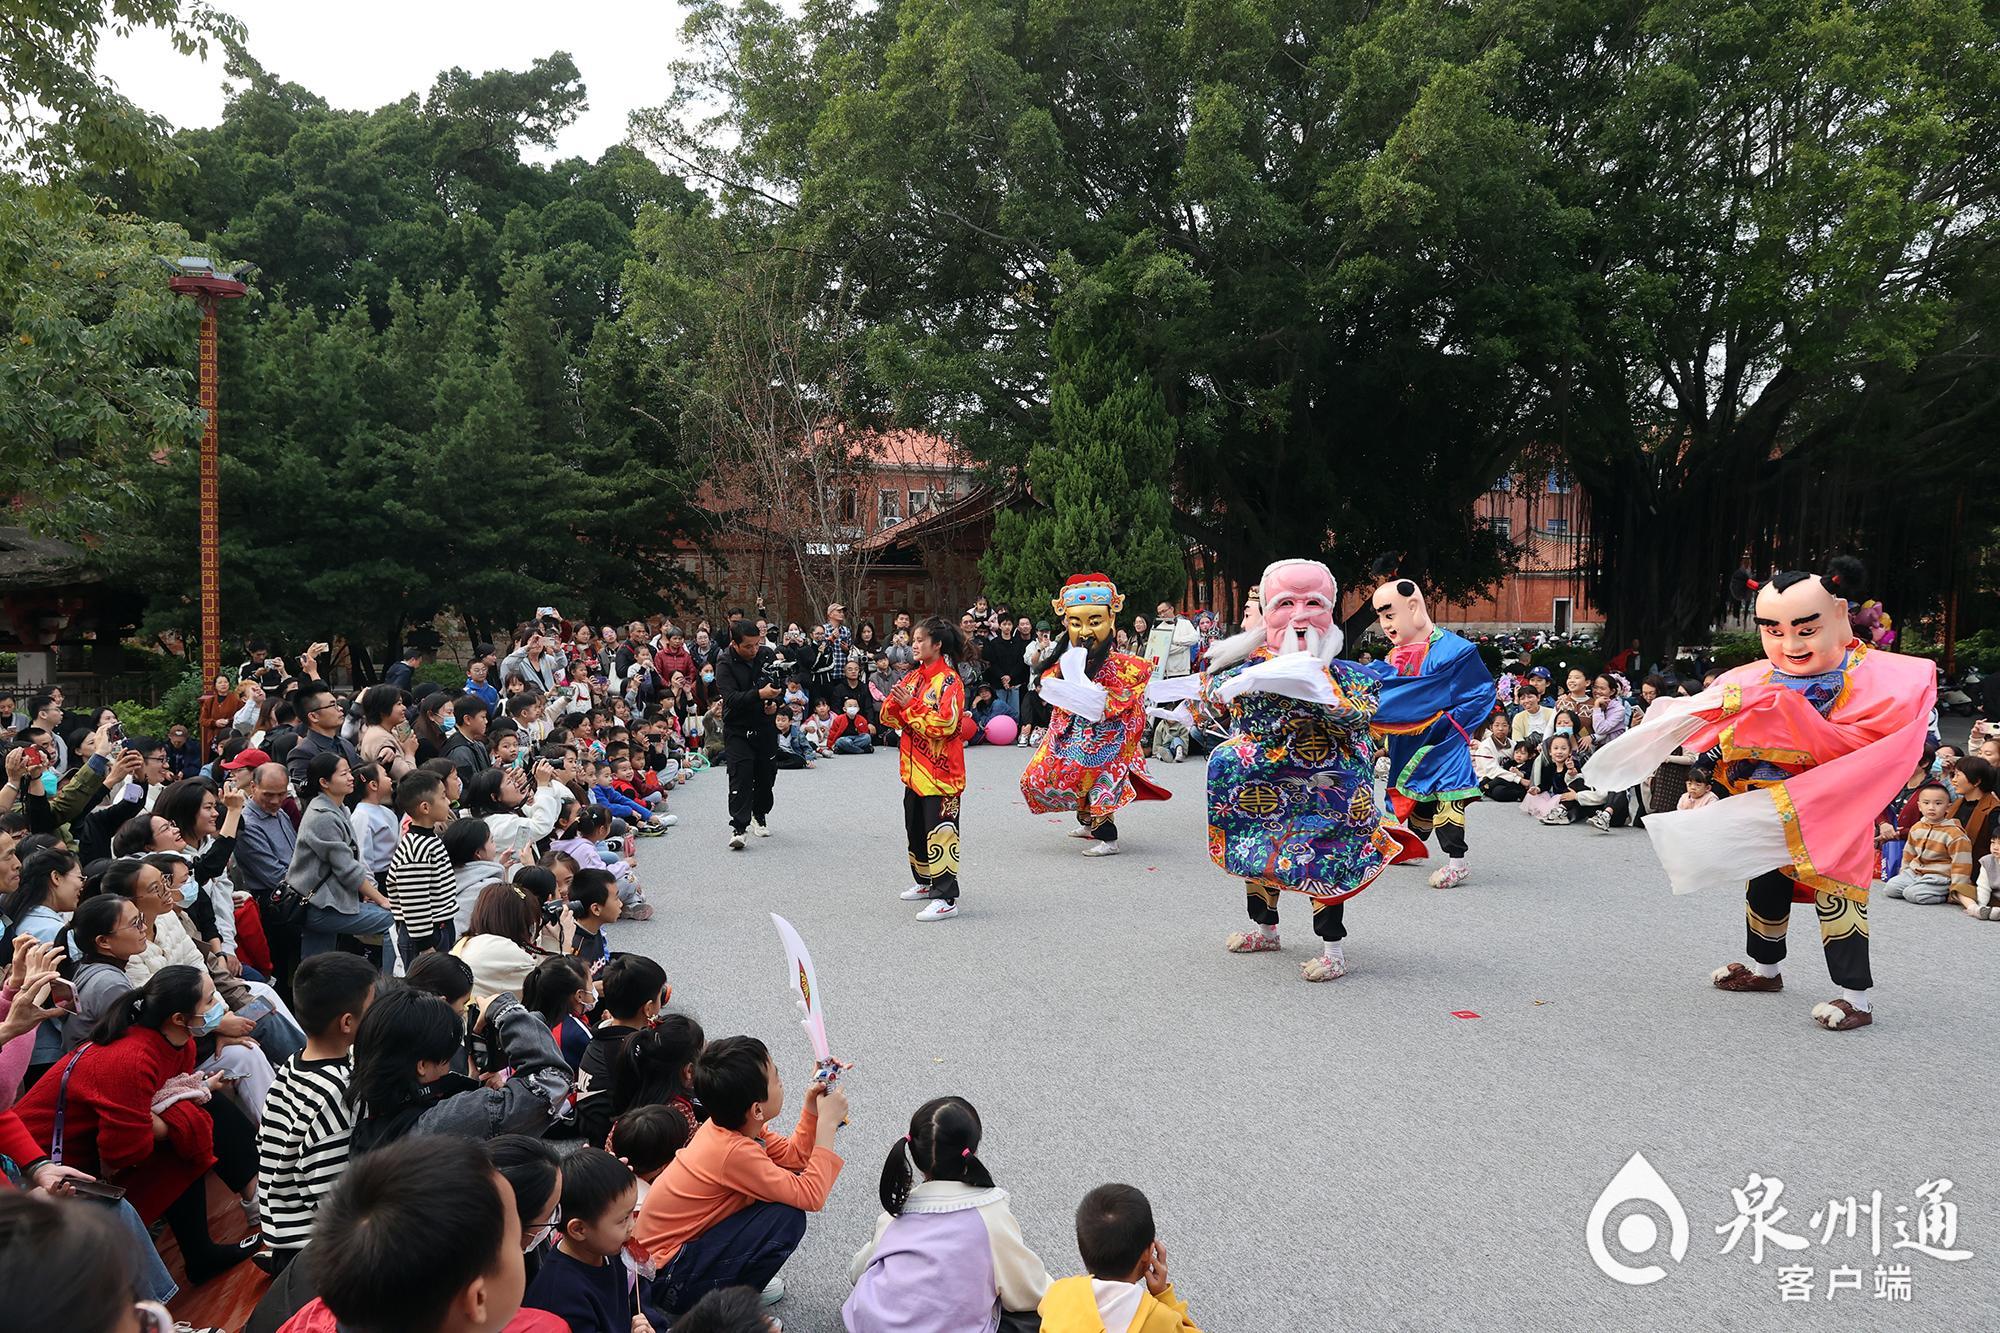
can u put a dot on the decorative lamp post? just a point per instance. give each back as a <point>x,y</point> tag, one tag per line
<point>196,277</point>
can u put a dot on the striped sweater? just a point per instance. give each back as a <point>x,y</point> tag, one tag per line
<point>421,886</point>
<point>302,1146</point>
<point>1939,849</point>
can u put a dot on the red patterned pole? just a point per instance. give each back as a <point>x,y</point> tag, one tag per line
<point>209,292</point>
<point>211,508</point>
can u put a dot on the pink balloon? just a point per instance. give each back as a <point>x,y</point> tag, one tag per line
<point>1002,730</point>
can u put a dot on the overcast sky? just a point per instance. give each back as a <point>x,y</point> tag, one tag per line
<point>361,54</point>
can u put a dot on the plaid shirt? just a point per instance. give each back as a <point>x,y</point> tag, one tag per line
<point>838,644</point>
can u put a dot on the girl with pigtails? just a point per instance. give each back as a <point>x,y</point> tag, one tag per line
<point>947,1252</point>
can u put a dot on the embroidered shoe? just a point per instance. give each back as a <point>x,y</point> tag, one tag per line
<point>1251,941</point>
<point>1449,877</point>
<point>1321,968</point>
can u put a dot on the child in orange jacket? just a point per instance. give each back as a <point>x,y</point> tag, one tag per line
<point>731,1207</point>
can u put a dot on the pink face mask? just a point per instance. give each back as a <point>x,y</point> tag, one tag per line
<point>1298,607</point>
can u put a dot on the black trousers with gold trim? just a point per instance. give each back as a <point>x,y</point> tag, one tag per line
<point>1448,818</point>
<point>1104,828</point>
<point>1843,928</point>
<point>1329,918</point>
<point>932,825</point>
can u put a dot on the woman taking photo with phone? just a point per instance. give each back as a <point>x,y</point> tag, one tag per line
<point>129,1106</point>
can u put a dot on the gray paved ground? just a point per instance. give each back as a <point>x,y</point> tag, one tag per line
<point>1349,1155</point>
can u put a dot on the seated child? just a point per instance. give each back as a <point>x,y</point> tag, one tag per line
<point>657,1069</point>
<point>731,1310</point>
<point>1699,793</point>
<point>731,1207</point>
<point>1890,824</point>
<point>1170,739</point>
<point>641,785</point>
<point>593,904</point>
<point>818,728</point>
<point>604,792</point>
<point>302,1142</point>
<point>851,732</point>
<point>794,751</point>
<point>558,993</point>
<point>468,845</point>
<point>1508,782</point>
<point>796,702</point>
<point>634,989</point>
<point>646,1138</point>
<point>584,1279</point>
<point>582,843</point>
<point>947,1253</point>
<point>1984,900</point>
<point>1937,856</point>
<point>1127,1287</point>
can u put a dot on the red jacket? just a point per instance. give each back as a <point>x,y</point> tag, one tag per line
<point>108,1119</point>
<point>843,725</point>
<point>668,660</point>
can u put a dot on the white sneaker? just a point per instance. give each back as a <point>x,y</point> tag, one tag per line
<point>938,910</point>
<point>774,1291</point>
<point>1081,832</point>
<point>1601,821</point>
<point>760,828</point>
<point>1101,849</point>
<point>668,821</point>
<point>916,893</point>
<point>736,841</point>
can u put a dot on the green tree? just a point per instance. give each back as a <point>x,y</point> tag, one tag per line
<point>1344,259</point>
<point>58,115</point>
<point>93,357</point>
<point>421,418</point>
<point>1785,206</point>
<point>1098,482</point>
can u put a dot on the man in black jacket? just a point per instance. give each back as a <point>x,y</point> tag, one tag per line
<point>323,718</point>
<point>743,676</point>
<point>467,747</point>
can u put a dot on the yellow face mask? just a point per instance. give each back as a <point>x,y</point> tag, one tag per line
<point>1089,626</point>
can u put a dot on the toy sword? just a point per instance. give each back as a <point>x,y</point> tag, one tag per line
<point>799,975</point>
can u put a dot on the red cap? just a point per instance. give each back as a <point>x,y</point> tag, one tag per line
<point>248,759</point>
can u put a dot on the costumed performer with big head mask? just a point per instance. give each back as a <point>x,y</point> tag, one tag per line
<point>1291,791</point>
<point>1811,742</point>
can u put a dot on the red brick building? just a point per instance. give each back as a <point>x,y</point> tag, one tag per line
<point>910,518</point>
<point>1544,517</point>
<point>869,524</point>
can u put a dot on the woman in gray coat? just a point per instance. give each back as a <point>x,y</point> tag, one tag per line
<point>326,867</point>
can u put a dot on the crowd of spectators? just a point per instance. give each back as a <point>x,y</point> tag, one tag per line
<point>345,953</point>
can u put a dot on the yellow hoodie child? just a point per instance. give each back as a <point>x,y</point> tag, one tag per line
<point>1070,1306</point>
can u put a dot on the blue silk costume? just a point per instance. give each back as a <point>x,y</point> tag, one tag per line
<point>1429,715</point>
